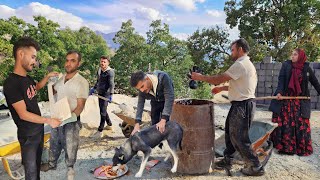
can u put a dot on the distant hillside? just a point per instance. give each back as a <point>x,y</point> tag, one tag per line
<point>108,38</point>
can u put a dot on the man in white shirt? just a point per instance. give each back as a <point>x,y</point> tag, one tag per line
<point>76,88</point>
<point>242,77</point>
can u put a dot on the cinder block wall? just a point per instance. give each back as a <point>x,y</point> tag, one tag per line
<point>268,74</point>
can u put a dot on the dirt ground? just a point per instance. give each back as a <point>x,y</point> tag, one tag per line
<point>93,153</point>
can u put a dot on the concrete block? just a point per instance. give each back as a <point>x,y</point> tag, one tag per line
<point>314,99</point>
<point>313,92</point>
<point>261,72</point>
<point>267,60</point>
<point>261,78</point>
<point>318,106</point>
<point>269,78</point>
<point>269,72</point>
<point>267,102</point>
<point>260,101</point>
<point>257,65</point>
<point>313,105</point>
<point>317,72</point>
<point>268,84</point>
<point>269,66</point>
<point>315,65</point>
<point>263,66</point>
<point>277,66</point>
<point>260,84</point>
<point>269,91</point>
<point>276,72</point>
<point>275,84</point>
<point>261,90</point>
<point>261,94</point>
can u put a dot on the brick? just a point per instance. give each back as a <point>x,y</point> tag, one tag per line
<point>261,72</point>
<point>257,65</point>
<point>277,66</point>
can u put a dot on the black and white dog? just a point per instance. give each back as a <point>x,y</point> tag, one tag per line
<point>147,139</point>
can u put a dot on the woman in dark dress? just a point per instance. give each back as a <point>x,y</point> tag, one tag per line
<point>293,134</point>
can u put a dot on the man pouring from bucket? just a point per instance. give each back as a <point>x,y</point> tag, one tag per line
<point>242,77</point>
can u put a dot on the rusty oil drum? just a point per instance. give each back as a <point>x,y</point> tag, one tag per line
<point>197,120</point>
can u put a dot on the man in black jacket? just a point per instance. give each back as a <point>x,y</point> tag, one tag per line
<point>157,87</point>
<point>104,87</point>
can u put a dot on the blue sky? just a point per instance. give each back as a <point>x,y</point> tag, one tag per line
<point>183,16</point>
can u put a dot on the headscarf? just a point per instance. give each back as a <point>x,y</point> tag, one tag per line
<point>294,84</point>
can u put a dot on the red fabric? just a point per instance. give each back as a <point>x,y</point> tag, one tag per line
<point>297,67</point>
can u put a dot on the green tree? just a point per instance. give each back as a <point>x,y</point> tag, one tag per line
<point>209,49</point>
<point>130,57</point>
<point>54,44</point>
<point>282,25</point>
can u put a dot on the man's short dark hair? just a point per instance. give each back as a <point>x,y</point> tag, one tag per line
<point>136,77</point>
<point>243,44</point>
<point>74,52</point>
<point>105,57</point>
<point>23,43</point>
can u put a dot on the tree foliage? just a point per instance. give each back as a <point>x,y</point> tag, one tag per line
<point>160,51</point>
<point>281,25</point>
<point>54,43</point>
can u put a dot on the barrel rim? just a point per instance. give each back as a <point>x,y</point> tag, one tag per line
<point>210,103</point>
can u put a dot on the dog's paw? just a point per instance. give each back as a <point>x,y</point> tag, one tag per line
<point>138,175</point>
<point>174,170</point>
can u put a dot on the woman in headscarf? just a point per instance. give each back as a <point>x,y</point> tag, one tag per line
<point>293,134</point>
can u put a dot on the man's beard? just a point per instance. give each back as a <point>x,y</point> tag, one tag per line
<point>27,67</point>
<point>71,70</point>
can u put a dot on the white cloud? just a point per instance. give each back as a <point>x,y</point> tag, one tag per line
<point>141,12</point>
<point>187,5</point>
<point>216,13</point>
<point>148,13</point>
<point>63,18</point>
<point>6,11</point>
<point>181,36</point>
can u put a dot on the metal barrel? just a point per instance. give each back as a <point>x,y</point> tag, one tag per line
<point>197,120</point>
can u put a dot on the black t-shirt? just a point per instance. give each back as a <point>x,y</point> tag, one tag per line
<point>17,88</point>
